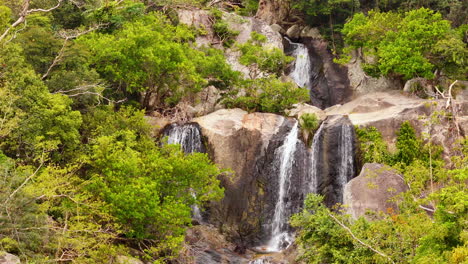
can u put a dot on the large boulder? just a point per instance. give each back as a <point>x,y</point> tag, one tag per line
<point>7,258</point>
<point>373,190</point>
<point>386,111</point>
<point>246,144</point>
<point>236,140</point>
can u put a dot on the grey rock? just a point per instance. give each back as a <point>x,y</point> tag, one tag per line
<point>373,190</point>
<point>7,258</point>
<point>278,28</point>
<point>310,32</point>
<point>294,31</point>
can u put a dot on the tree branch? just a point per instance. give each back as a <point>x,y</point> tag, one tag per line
<point>25,181</point>
<point>359,240</point>
<point>24,13</point>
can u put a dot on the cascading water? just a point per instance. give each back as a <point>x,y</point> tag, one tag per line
<point>314,155</point>
<point>188,136</point>
<point>346,169</point>
<point>302,68</point>
<point>280,237</point>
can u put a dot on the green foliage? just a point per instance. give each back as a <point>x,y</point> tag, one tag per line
<point>221,28</point>
<point>49,123</point>
<point>372,147</point>
<point>409,147</point>
<point>249,8</point>
<point>266,95</point>
<point>259,58</point>
<point>409,45</point>
<point>309,123</point>
<point>409,235</point>
<point>5,16</point>
<point>152,56</point>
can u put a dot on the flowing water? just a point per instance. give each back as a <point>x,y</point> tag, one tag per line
<point>280,236</point>
<point>346,169</point>
<point>188,136</point>
<point>314,156</point>
<point>302,68</point>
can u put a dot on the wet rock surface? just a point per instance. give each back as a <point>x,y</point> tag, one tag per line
<point>330,177</point>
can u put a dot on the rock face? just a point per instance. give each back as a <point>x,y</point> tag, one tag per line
<point>335,162</point>
<point>328,81</point>
<point>373,189</point>
<point>386,111</point>
<point>272,11</point>
<point>362,84</point>
<point>7,258</point>
<point>236,140</point>
<point>127,260</point>
<point>245,26</point>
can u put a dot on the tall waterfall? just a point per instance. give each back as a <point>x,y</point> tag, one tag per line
<point>302,68</point>
<point>188,136</point>
<point>314,155</point>
<point>346,169</point>
<point>280,237</point>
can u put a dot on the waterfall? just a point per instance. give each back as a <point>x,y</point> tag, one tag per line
<point>284,156</point>
<point>302,68</point>
<point>260,261</point>
<point>188,136</point>
<point>314,156</point>
<point>346,169</point>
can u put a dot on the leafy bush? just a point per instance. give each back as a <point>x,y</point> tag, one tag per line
<point>221,29</point>
<point>262,59</point>
<point>266,95</point>
<point>408,45</point>
<point>372,147</point>
<point>309,123</point>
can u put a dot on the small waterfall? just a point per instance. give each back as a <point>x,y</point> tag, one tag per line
<point>302,68</point>
<point>188,136</point>
<point>314,156</point>
<point>346,169</point>
<point>260,261</point>
<point>280,237</point>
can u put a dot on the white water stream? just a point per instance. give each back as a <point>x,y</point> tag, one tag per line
<point>280,237</point>
<point>302,68</point>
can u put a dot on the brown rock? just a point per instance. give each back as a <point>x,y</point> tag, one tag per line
<point>373,190</point>
<point>273,11</point>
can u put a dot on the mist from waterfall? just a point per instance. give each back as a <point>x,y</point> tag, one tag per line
<point>302,68</point>
<point>280,236</point>
<point>188,136</point>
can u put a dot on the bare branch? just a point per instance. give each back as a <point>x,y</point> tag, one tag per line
<point>359,240</point>
<point>75,34</point>
<point>85,89</point>
<point>24,13</point>
<point>25,181</point>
